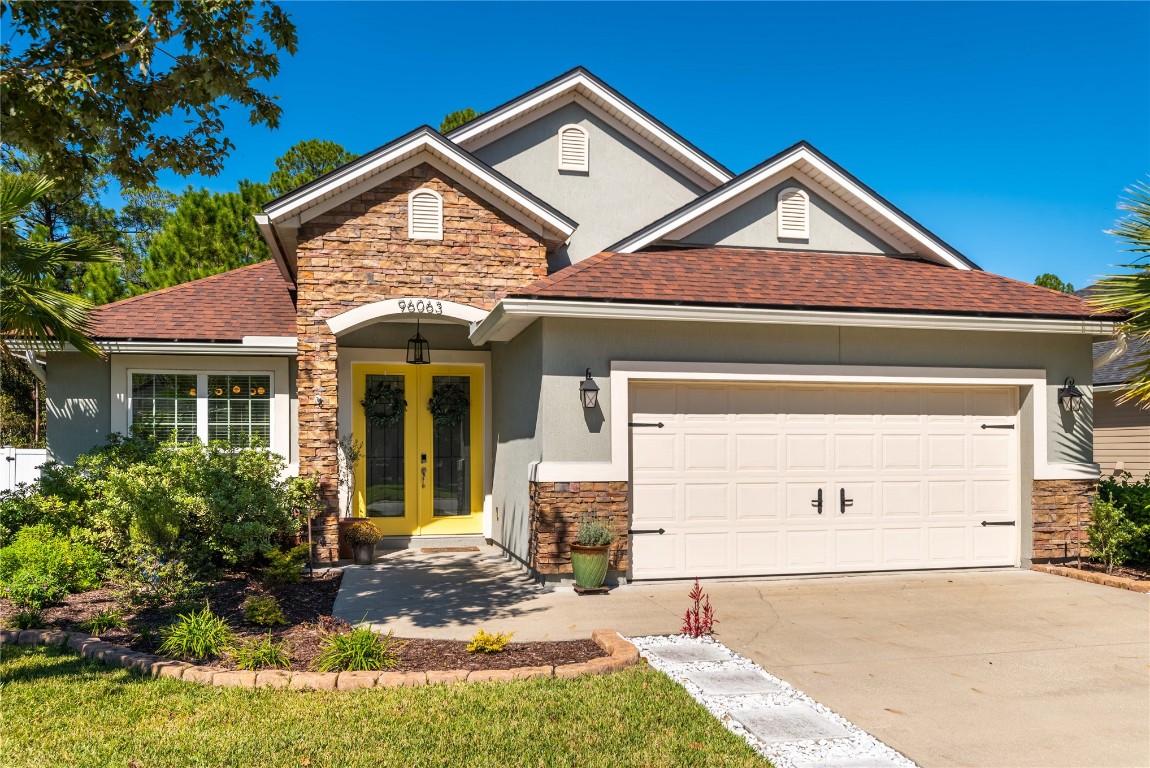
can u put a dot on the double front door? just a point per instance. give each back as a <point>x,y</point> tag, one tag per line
<point>419,433</point>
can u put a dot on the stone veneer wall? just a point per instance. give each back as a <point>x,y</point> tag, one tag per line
<point>1061,510</point>
<point>357,253</point>
<point>555,512</point>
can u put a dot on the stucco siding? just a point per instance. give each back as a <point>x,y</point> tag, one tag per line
<point>754,224</point>
<point>79,403</point>
<point>1121,435</point>
<point>625,188</point>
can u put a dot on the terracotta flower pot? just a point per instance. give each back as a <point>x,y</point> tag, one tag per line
<point>589,565</point>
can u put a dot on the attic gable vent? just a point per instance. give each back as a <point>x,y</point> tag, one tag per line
<point>573,150</point>
<point>425,215</point>
<point>794,214</point>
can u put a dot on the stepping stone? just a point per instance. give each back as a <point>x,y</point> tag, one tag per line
<point>793,722</point>
<point>851,762</point>
<point>731,682</point>
<point>688,653</point>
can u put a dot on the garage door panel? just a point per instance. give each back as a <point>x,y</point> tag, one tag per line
<point>946,406</point>
<point>992,451</point>
<point>992,404</point>
<point>856,406</point>
<point>901,406</point>
<point>756,452</point>
<point>946,451</point>
<point>807,451</point>
<point>861,495</point>
<point>705,452</point>
<point>705,501</point>
<point>655,503</point>
<point>656,401</point>
<point>707,553</point>
<point>799,498</point>
<point>756,405</point>
<point>946,498</point>
<point>993,498</point>
<point>855,452</point>
<point>659,555</point>
<point>856,549</point>
<point>902,547</point>
<point>757,551</point>
<point>654,452</point>
<point>806,405</point>
<point>809,549</point>
<point>993,543</point>
<point>757,501</point>
<point>706,404</point>
<point>902,452</point>
<point>902,499</point>
<point>946,545</point>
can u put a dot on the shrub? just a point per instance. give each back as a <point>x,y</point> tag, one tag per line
<point>362,532</point>
<point>593,532</point>
<point>25,507</point>
<point>1109,533</point>
<point>263,610</point>
<point>25,620</point>
<point>358,649</point>
<point>151,580</point>
<point>197,635</point>
<point>484,642</point>
<point>262,653</point>
<point>286,567</point>
<point>103,622</point>
<point>1133,498</point>
<point>699,621</point>
<point>41,566</point>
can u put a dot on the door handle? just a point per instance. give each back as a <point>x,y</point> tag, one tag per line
<point>818,501</point>
<point>423,477</point>
<point>844,502</point>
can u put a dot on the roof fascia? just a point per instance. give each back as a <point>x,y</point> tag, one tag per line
<point>250,345</point>
<point>474,133</point>
<point>512,315</point>
<point>263,223</point>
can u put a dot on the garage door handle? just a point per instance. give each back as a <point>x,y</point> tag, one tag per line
<point>1004,522</point>
<point>657,424</point>
<point>998,426</point>
<point>634,531</point>
<point>844,502</point>
<point>818,501</point>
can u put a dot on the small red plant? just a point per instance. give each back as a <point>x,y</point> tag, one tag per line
<point>699,621</point>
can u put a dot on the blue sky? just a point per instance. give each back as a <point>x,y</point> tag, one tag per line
<point>1010,130</point>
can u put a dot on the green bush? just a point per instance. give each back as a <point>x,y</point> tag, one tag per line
<point>593,532</point>
<point>1109,533</point>
<point>103,622</point>
<point>488,642</point>
<point>24,507</point>
<point>264,653</point>
<point>285,567</point>
<point>1133,498</point>
<point>358,649</point>
<point>198,635</point>
<point>263,610</point>
<point>41,566</point>
<point>151,580</point>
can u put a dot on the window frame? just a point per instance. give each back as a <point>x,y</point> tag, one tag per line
<point>202,397</point>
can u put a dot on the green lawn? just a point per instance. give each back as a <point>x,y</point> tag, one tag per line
<point>60,709</point>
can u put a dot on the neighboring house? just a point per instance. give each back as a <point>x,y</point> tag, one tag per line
<point>793,375</point>
<point>1121,430</point>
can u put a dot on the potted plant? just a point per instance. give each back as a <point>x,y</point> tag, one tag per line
<point>590,552</point>
<point>363,536</point>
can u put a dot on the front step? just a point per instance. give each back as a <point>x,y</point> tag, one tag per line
<point>418,542</point>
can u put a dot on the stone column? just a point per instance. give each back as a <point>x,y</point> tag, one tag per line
<point>1061,511</point>
<point>318,390</point>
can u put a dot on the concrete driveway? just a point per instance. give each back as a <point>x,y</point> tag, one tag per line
<point>971,668</point>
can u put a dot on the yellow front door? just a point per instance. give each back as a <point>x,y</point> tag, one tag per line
<point>420,434</point>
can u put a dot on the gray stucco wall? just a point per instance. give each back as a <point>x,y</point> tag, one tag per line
<point>394,335</point>
<point>79,403</point>
<point>570,346</point>
<point>754,224</point>
<point>515,411</point>
<point>625,188</point>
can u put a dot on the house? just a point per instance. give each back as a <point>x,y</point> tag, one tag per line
<point>1121,430</point>
<point>771,372</point>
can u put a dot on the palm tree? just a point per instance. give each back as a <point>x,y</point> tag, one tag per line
<point>35,312</point>
<point>1129,293</point>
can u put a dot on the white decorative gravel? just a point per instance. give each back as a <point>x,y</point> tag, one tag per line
<point>857,749</point>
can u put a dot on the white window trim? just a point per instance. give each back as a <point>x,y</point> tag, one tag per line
<point>790,234</point>
<point>586,164</point>
<point>202,396</point>
<point>411,214</point>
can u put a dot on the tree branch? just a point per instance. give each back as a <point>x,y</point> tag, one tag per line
<point>27,71</point>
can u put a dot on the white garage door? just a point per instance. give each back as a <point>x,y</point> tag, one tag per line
<point>907,477</point>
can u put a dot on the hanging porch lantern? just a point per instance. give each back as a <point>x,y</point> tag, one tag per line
<point>589,391</point>
<point>418,350</point>
<point>1070,397</point>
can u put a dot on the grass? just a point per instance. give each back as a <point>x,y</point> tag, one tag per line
<point>60,709</point>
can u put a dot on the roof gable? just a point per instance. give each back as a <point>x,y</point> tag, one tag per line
<point>816,171</point>
<point>579,85</point>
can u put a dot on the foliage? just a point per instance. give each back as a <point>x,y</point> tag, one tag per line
<point>285,567</point>
<point>103,622</point>
<point>152,580</point>
<point>305,162</point>
<point>96,87</point>
<point>485,642</point>
<point>23,415</point>
<point>1109,533</point>
<point>23,507</point>
<point>448,405</point>
<point>1132,497</point>
<point>383,404</point>
<point>262,653</point>
<point>34,308</point>
<point>453,120</point>
<point>699,620</point>
<point>197,635</point>
<point>358,649</point>
<point>593,532</point>
<point>350,452</point>
<point>25,620</point>
<point>1129,292</point>
<point>1053,282</point>
<point>263,610</point>
<point>362,532</point>
<point>40,567</point>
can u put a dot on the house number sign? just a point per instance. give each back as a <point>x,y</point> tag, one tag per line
<point>421,307</point>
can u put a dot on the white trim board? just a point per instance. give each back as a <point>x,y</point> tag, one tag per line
<point>358,317</point>
<point>624,372</point>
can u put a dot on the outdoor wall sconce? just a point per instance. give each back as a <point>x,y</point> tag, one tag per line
<point>418,350</point>
<point>1069,396</point>
<point>589,391</point>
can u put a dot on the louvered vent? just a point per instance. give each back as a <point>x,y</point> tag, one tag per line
<point>425,215</point>
<point>794,214</point>
<point>572,148</point>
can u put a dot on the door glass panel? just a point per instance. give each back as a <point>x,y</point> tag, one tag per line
<point>383,448</point>
<point>450,407</point>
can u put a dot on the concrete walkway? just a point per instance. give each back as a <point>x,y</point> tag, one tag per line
<point>971,668</point>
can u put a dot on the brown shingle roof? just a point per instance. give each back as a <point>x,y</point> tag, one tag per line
<point>249,301</point>
<point>806,280</point>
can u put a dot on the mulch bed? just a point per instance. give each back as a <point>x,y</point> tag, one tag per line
<point>1135,571</point>
<point>307,607</point>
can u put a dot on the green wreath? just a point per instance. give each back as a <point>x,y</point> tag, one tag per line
<point>448,405</point>
<point>383,404</point>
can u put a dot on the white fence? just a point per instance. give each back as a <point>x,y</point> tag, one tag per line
<point>20,465</point>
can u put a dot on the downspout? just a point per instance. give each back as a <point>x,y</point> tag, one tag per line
<point>1118,351</point>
